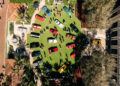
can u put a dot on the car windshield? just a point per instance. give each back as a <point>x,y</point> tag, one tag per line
<point>47,11</point>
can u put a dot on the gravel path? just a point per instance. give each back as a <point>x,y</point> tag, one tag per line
<point>3,24</point>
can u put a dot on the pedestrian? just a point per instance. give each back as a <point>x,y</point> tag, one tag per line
<point>68,29</point>
<point>60,35</point>
<point>66,55</point>
<point>60,54</point>
<point>60,39</point>
<point>65,28</point>
<point>74,23</point>
<point>53,14</point>
<point>59,45</point>
<point>60,61</point>
<point>44,29</point>
<point>44,54</point>
<point>41,56</point>
<point>53,18</point>
<point>63,20</point>
<point>50,58</point>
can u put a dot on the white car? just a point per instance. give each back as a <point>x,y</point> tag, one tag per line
<point>52,40</point>
<point>58,23</point>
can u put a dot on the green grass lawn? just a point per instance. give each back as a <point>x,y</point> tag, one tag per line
<point>46,34</point>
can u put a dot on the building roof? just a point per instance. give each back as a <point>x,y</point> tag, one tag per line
<point>12,11</point>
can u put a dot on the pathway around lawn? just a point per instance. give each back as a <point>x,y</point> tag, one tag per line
<point>3,23</point>
<point>42,3</point>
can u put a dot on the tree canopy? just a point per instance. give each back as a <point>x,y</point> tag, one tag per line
<point>97,12</point>
<point>97,68</point>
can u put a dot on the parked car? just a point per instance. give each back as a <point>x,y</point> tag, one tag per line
<point>62,68</point>
<point>35,53</point>
<point>37,62</point>
<point>37,16</point>
<point>55,82</point>
<point>34,34</point>
<point>58,23</point>
<point>47,11</point>
<point>52,40</point>
<point>67,10</point>
<point>36,26</point>
<point>54,31</point>
<point>20,51</point>
<point>73,55</point>
<point>34,44</point>
<point>70,36</point>
<point>53,49</point>
<point>39,71</point>
<point>72,45</point>
<point>74,28</point>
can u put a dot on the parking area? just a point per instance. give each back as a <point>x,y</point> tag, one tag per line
<point>53,44</point>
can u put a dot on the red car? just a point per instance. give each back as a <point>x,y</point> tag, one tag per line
<point>39,17</point>
<point>56,82</point>
<point>36,26</point>
<point>73,55</point>
<point>53,49</point>
<point>68,46</point>
<point>54,31</point>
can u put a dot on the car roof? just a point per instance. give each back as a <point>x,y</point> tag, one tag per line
<point>44,8</point>
<point>33,33</point>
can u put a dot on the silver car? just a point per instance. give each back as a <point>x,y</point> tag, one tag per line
<point>58,23</point>
<point>52,40</point>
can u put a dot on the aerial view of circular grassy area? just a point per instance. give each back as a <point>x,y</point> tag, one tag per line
<point>63,54</point>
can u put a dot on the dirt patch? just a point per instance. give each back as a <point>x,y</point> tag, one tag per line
<point>13,78</point>
<point>12,11</point>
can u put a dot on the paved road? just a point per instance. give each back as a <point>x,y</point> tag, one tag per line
<point>3,24</point>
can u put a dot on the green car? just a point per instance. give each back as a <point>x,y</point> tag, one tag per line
<point>67,10</point>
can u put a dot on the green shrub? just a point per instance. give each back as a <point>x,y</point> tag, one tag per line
<point>11,28</point>
<point>21,1</point>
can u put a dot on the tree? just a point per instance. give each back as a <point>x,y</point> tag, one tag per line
<point>21,13</point>
<point>97,12</point>
<point>97,69</point>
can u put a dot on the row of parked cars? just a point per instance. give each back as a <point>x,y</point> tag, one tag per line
<point>51,50</point>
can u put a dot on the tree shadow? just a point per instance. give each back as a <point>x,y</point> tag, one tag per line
<point>117,4</point>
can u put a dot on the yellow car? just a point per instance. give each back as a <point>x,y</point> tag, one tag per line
<point>62,68</point>
<point>97,42</point>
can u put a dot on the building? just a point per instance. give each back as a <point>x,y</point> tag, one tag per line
<point>113,39</point>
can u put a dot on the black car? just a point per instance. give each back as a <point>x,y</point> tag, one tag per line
<point>74,28</point>
<point>34,44</point>
<point>36,53</point>
<point>34,34</point>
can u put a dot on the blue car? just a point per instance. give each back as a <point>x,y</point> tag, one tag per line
<point>46,10</point>
<point>35,53</point>
<point>67,10</point>
<point>74,28</point>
